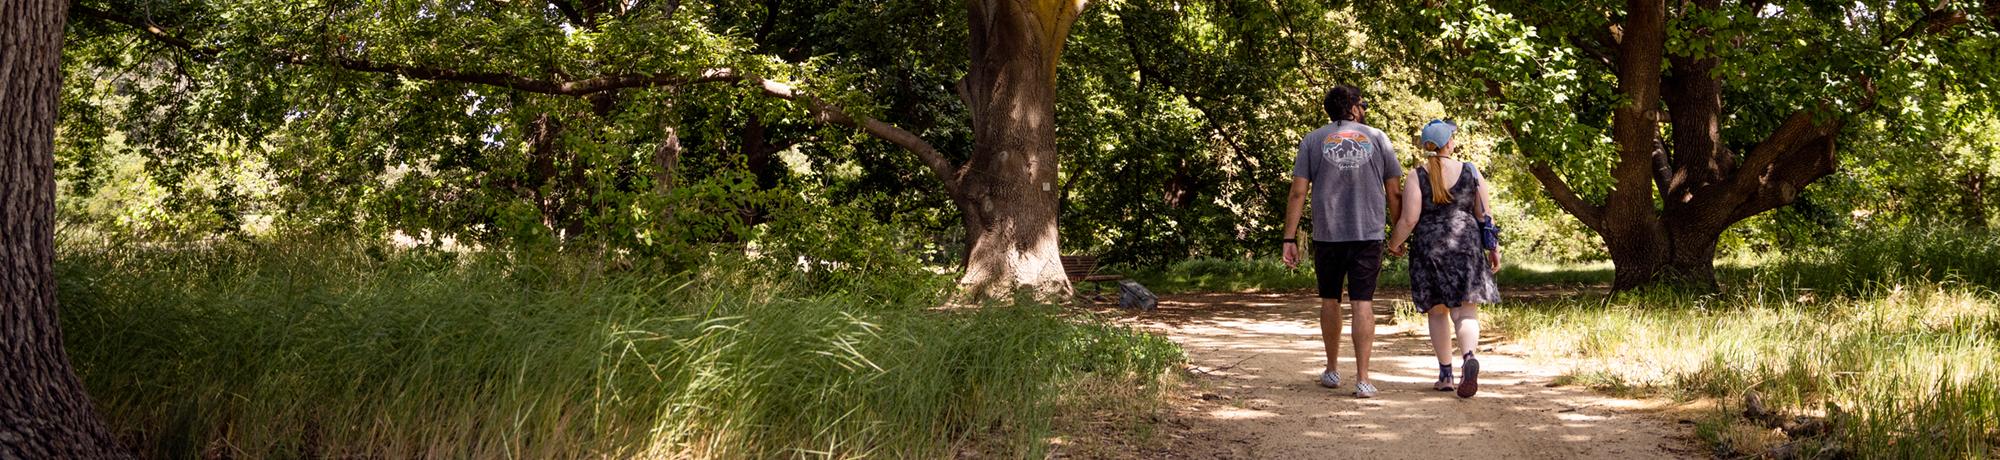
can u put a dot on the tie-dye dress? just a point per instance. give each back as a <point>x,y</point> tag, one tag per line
<point>1447,265</point>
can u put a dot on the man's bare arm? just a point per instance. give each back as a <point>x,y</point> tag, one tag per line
<point>1294,206</point>
<point>1393,189</point>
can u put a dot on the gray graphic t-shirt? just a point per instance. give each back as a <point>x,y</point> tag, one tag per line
<point>1347,163</point>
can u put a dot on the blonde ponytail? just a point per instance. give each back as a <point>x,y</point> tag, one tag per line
<point>1440,192</point>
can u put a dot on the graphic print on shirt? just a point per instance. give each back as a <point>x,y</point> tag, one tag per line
<point>1346,149</point>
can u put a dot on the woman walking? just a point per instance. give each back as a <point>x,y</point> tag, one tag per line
<point>1449,275</point>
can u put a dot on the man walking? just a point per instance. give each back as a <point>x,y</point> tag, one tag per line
<point>1351,172</point>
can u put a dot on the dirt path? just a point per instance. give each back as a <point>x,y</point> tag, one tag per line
<point>1256,356</point>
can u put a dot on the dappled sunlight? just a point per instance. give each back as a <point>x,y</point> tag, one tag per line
<point>1900,358</point>
<point>1261,355</point>
<point>1459,431</point>
<point>1240,414</point>
<point>1378,436</point>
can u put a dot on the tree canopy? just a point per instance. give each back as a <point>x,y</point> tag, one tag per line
<point>1660,125</point>
<point>668,128</point>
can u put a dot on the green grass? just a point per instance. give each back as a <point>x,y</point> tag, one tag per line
<point>1913,368</point>
<point>1219,275</point>
<point>1860,261</point>
<point>1894,337</point>
<point>1869,260</point>
<point>260,350</point>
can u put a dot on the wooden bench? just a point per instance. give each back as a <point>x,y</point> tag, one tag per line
<point>1083,269</point>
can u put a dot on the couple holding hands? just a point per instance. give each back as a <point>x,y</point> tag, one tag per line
<point>1355,181</point>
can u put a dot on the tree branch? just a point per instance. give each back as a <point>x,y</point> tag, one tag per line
<point>579,87</point>
<point>575,87</point>
<point>1802,148</point>
<point>827,113</point>
<point>1799,151</point>
<point>572,13</point>
<point>1591,215</point>
<point>667,11</point>
<point>146,29</point>
<point>1292,32</point>
<point>820,110</point>
<point>1596,46</point>
<point>1808,162</point>
<point>1663,170</point>
<point>1559,190</point>
<point>1937,19</point>
<point>1147,70</point>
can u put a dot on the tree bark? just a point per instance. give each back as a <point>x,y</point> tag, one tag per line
<point>666,158</point>
<point>760,157</point>
<point>1007,189</point>
<point>44,412</point>
<point>550,184</point>
<point>1632,231</point>
<point>1972,199</point>
<point>1703,187</point>
<point>1693,98</point>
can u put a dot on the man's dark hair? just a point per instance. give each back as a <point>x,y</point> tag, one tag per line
<point>1340,101</point>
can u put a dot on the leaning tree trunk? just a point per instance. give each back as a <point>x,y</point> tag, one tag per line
<point>44,412</point>
<point>1007,190</point>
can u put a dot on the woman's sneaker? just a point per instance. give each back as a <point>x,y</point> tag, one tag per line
<point>1470,385</point>
<point>1364,390</point>
<point>1329,379</point>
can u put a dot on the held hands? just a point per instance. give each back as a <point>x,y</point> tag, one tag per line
<point>1398,249</point>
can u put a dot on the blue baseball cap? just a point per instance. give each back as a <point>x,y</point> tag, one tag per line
<point>1437,133</point>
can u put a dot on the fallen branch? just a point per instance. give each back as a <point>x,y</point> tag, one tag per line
<point>1223,368</point>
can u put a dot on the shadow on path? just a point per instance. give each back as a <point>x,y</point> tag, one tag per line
<point>1255,357</point>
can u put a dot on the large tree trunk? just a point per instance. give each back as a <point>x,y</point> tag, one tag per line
<point>1682,258</point>
<point>44,412</point>
<point>1673,197</point>
<point>1007,190</point>
<point>1972,199</point>
<point>760,156</point>
<point>1631,228</point>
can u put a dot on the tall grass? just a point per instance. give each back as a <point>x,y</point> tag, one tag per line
<point>1896,339</point>
<point>1866,259</point>
<point>346,350</point>
<point>1912,370</point>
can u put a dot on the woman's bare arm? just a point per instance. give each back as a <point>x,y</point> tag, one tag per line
<point>1406,219</point>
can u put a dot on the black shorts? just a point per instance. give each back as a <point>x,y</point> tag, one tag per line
<point>1357,262</point>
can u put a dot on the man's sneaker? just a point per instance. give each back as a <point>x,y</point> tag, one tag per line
<point>1443,385</point>
<point>1470,385</point>
<point>1329,379</point>
<point>1364,390</point>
